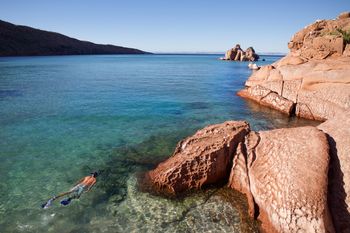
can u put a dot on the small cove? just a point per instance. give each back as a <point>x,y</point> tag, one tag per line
<point>61,117</point>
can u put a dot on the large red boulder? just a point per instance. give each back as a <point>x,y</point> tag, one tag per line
<point>287,170</point>
<point>201,159</point>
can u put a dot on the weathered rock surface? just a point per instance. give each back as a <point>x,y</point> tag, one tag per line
<point>295,179</point>
<point>266,97</point>
<point>338,131</point>
<point>201,159</point>
<point>315,75</point>
<point>237,54</point>
<point>288,179</point>
<point>282,172</point>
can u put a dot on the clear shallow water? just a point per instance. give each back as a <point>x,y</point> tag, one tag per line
<point>61,117</point>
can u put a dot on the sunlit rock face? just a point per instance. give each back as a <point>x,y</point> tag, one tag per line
<point>283,172</point>
<point>237,54</point>
<point>314,76</point>
<point>201,159</point>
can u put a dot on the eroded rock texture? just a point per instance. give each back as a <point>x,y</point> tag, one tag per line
<point>338,131</point>
<point>288,180</point>
<point>282,172</point>
<point>268,98</point>
<point>202,159</point>
<point>315,75</point>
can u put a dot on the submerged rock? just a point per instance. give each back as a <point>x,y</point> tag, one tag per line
<point>205,211</point>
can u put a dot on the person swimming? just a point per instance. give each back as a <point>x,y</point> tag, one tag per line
<point>83,185</point>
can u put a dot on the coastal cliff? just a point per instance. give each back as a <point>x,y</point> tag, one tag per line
<point>313,80</point>
<point>18,40</point>
<point>294,179</point>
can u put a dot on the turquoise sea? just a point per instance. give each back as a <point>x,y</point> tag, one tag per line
<point>62,117</point>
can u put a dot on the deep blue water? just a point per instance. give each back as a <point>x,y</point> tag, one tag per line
<point>61,117</point>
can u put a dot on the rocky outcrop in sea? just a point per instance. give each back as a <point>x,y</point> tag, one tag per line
<point>313,80</point>
<point>294,179</point>
<point>238,54</point>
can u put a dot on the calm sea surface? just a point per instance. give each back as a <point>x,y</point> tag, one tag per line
<point>62,117</point>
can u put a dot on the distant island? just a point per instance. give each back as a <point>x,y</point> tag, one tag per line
<point>238,54</point>
<point>16,40</point>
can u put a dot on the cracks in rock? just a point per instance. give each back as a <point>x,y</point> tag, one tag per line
<point>249,151</point>
<point>266,95</point>
<point>312,115</point>
<point>232,153</point>
<point>293,110</point>
<point>282,88</point>
<point>252,150</point>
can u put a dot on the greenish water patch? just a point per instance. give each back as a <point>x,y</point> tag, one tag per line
<point>61,117</point>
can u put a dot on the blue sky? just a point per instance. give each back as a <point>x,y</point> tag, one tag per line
<point>175,26</point>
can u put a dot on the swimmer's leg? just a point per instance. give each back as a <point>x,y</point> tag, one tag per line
<point>63,194</point>
<point>49,202</point>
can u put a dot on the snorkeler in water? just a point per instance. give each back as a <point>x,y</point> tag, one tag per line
<point>83,185</point>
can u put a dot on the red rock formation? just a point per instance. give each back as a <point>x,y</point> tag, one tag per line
<point>237,54</point>
<point>288,180</point>
<point>283,171</point>
<point>268,98</point>
<point>338,130</point>
<point>239,179</point>
<point>315,75</point>
<point>201,159</point>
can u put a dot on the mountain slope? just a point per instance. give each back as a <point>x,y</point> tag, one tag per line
<point>26,41</point>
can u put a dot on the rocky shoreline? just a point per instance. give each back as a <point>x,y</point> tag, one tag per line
<point>295,179</point>
<point>313,80</point>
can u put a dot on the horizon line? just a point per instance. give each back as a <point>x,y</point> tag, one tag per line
<point>210,52</point>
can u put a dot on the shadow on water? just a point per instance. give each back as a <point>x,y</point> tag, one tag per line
<point>197,105</point>
<point>9,93</point>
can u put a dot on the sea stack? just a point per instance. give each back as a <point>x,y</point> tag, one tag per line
<point>237,54</point>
